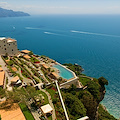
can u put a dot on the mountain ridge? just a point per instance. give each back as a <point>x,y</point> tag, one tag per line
<point>11,13</point>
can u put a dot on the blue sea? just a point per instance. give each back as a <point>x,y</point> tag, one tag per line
<point>93,41</point>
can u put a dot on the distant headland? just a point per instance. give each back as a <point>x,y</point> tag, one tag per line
<point>11,13</point>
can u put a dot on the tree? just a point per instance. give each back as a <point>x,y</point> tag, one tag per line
<point>94,88</point>
<point>2,92</point>
<point>60,79</point>
<point>10,63</point>
<point>102,81</point>
<point>30,53</point>
<point>49,69</point>
<point>90,104</point>
<point>72,88</point>
<point>103,114</point>
<point>75,106</point>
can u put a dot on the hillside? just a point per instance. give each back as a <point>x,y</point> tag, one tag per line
<point>11,13</point>
<point>82,102</point>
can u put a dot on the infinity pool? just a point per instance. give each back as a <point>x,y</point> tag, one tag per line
<point>64,73</point>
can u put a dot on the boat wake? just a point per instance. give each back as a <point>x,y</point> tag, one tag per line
<point>90,33</point>
<point>50,33</point>
<point>31,28</point>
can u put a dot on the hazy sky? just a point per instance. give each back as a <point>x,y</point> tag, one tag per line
<point>63,6</point>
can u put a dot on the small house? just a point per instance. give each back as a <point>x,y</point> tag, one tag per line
<point>47,109</point>
<point>16,81</point>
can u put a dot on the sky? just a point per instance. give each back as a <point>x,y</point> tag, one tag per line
<point>63,6</point>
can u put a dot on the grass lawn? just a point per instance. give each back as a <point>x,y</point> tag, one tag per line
<point>52,92</point>
<point>26,112</point>
<point>45,96</point>
<point>50,117</point>
<point>84,81</point>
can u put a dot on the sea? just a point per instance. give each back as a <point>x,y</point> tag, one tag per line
<point>92,41</point>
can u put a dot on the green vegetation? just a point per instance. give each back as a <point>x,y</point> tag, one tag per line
<point>6,57</point>
<point>79,103</point>
<point>26,112</point>
<point>17,96</point>
<point>6,80</point>
<point>45,97</point>
<point>94,89</point>
<point>0,117</point>
<point>76,68</point>
<point>52,92</point>
<point>50,118</point>
<point>75,107</point>
<point>56,101</point>
<point>104,115</point>
<point>34,60</point>
<point>89,103</point>
<point>84,80</point>
<point>10,63</point>
<point>30,53</point>
<point>2,92</point>
<point>86,100</point>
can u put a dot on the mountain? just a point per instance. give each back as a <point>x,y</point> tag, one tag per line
<point>11,13</point>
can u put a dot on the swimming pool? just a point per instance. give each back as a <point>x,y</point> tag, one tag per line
<point>64,73</point>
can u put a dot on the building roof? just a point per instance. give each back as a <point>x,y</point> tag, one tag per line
<point>14,69</point>
<point>2,74</point>
<point>2,38</point>
<point>13,113</point>
<point>45,66</point>
<point>25,51</point>
<point>46,109</point>
<point>15,79</point>
<point>27,56</point>
<point>56,75</point>
<point>10,40</point>
<point>1,69</point>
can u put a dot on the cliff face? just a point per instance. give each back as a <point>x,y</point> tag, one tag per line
<point>90,97</point>
<point>11,13</point>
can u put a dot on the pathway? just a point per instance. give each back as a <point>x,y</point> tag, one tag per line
<point>33,111</point>
<point>24,79</point>
<point>44,76</point>
<point>32,73</point>
<point>51,104</point>
<point>86,77</point>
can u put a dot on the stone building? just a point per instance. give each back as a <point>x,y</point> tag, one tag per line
<point>8,46</point>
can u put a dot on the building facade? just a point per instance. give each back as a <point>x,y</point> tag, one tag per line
<point>8,46</point>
